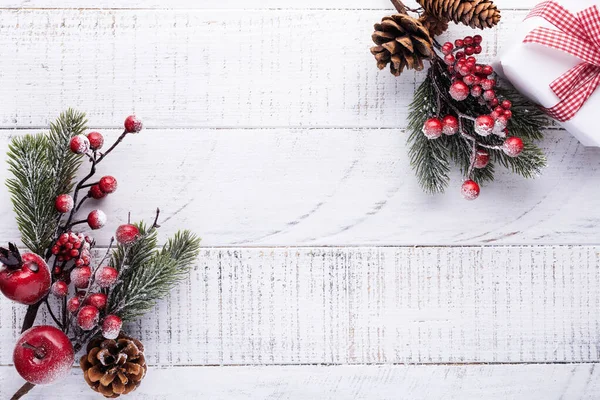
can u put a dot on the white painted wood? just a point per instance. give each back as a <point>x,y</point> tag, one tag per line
<point>373,305</point>
<point>398,382</point>
<point>231,4</point>
<point>330,187</point>
<point>215,68</point>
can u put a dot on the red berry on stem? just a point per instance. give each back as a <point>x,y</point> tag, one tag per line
<point>81,277</point>
<point>506,104</point>
<point>95,192</point>
<point>513,146</point>
<point>79,144</point>
<point>450,125</point>
<point>489,95</point>
<point>73,304</point>
<point>477,48</point>
<point>87,318</point>
<point>487,70</point>
<point>477,39</point>
<point>447,48</point>
<point>108,184</point>
<point>432,129</point>
<point>470,190</point>
<point>96,140</point>
<point>43,354</point>
<point>476,91</point>
<point>459,91</point>
<point>469,50</point>
<point>494,102</point>
<point>106,276</point>
<point>97,300</point>
<point>469,80</point>
<point>482,158</point>
<point>133,124</point>
<point>484,125</point>
<point>25,282</point>
<point>63,203</point>
<point>468,40</point>
<point>111,326</point>
<point>459,43</point>
<point>508,114</point>
<point>60,288</point>
<point>96,219</point>
<point>129,233</point>
<point>488,84</point>
<point>449,59</point>
<point>460,55</point>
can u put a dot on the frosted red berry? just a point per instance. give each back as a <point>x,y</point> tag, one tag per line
<point>79,144</point>
<point>449,59</point>
<point>489,95</point>
<point>96,140</point>
<point>133,124</point>
<point>488,84</point>
<point>476,91</point>
<point>59,289</point>
<point>81,277</point>
<point>111,326</point>
<point>95,192</point>
<point>482,158</point>
<point>129,233</point>
<point>63,203</point>
<point>487,70</point>
<point>450,125</point>
<point>108,184</point>
<point>106,276</point>
<point>484,125</point>
<point>513,146</point>
<point>508,114</point>
<point>88,317</point>
<point>73,304</point>
<point>432,128</point>
<point>459,91</point>
<point>97,300</point>
<point>96,219</point>
<point>506,104</point>
<point>470,190</point>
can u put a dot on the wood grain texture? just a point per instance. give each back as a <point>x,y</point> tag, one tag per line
<point>205,68</point>
<point>373,306</point>
<point>330,187</point>
<point>469,382</point>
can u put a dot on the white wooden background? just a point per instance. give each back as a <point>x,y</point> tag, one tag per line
<point>326,272</point>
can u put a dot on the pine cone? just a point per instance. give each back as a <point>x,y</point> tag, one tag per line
<point>434,25</point>
<point>402,41</point>
<point>474,13</point>
<point>114,367</point>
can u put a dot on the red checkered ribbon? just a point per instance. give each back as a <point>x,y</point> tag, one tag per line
<point>578,35</point>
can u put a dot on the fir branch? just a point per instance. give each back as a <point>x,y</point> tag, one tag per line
<point>43,167</point>
<point>150,274</point>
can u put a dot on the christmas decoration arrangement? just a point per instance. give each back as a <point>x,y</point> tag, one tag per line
<point>554,60</point>
<point>87,301</point>
<point>461,113</point>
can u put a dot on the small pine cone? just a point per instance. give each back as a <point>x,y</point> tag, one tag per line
<point>474,13</point>
<point>114,367</point>
<point>401,41</point>
<point>434,25</point>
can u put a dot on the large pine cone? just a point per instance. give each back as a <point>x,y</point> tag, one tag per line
<point>434,25</point>
<point>474,13</point>
<point>114,367</point>
<point>402,41</point>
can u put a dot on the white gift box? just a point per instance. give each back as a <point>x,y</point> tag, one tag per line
<point>532,67</point>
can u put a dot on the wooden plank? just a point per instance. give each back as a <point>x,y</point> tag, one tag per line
<point>383,305</point>
<point>398,382</point>
<point>231,4</point>
<point>330,187</point>
<point>212,68</point>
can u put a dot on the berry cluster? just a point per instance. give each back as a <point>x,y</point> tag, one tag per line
<point>71,246</point>
<point>472,80</point>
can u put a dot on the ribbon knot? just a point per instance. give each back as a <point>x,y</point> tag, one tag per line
<point>578,35</point>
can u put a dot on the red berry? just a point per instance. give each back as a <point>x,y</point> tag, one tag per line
<point>73,304</point>
<point>96,140</point>
<point>55,249</point>
<point>63,203</point>
<point>81,277</point>
<point>450,125</point>
<point>96,219</point>
<point>106,276</point>
<point>24,278</point>
<point>95,192</point>
<point>460,55</point>
<point>447,48</point>
<point>60,289</point>
<point>489,95</point>
<point>494,102</point>
<point>433,128</point>
<point>133,124</point>
<point>476,91</point>
<point>68,246</point>
<point>449,59</point>
<point>129,233</point>
<point>87,318</point>
<point>79,144</point>
<point>468,40</point>
<point>482,158</point>
<point>469,80</point>
<point>470,190</point>
<point>477,39</point>
<point>495,114</point>
<point>488,84</point>
<point>484,125</point>
<point>459,43</point>
<point>508,114</point>
<point>487,70</point>
<point>43,354</point>
<point>479,69</point>
<point>97,300</point>
<point>513,146</point>
<point>111,327</point>
<point>74,253</point>
<point>477,49</point>
<point>108,184</point>
<point>64,238</point>
<point>469,50</point>
<point>459,91</point>
<point>506,104</point>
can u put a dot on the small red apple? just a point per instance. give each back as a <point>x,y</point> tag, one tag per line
<point>24,278</point>
<point>43,354</point>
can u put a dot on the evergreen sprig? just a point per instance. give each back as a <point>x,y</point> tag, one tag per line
<point>430,159</point>
<point>148,274</point>
<point>43,167</point>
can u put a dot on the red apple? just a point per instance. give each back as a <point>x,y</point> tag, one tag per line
<point>43,354</point>
<point>24,278</point>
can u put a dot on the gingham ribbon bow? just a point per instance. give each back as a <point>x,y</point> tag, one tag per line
<point>578,35</point>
